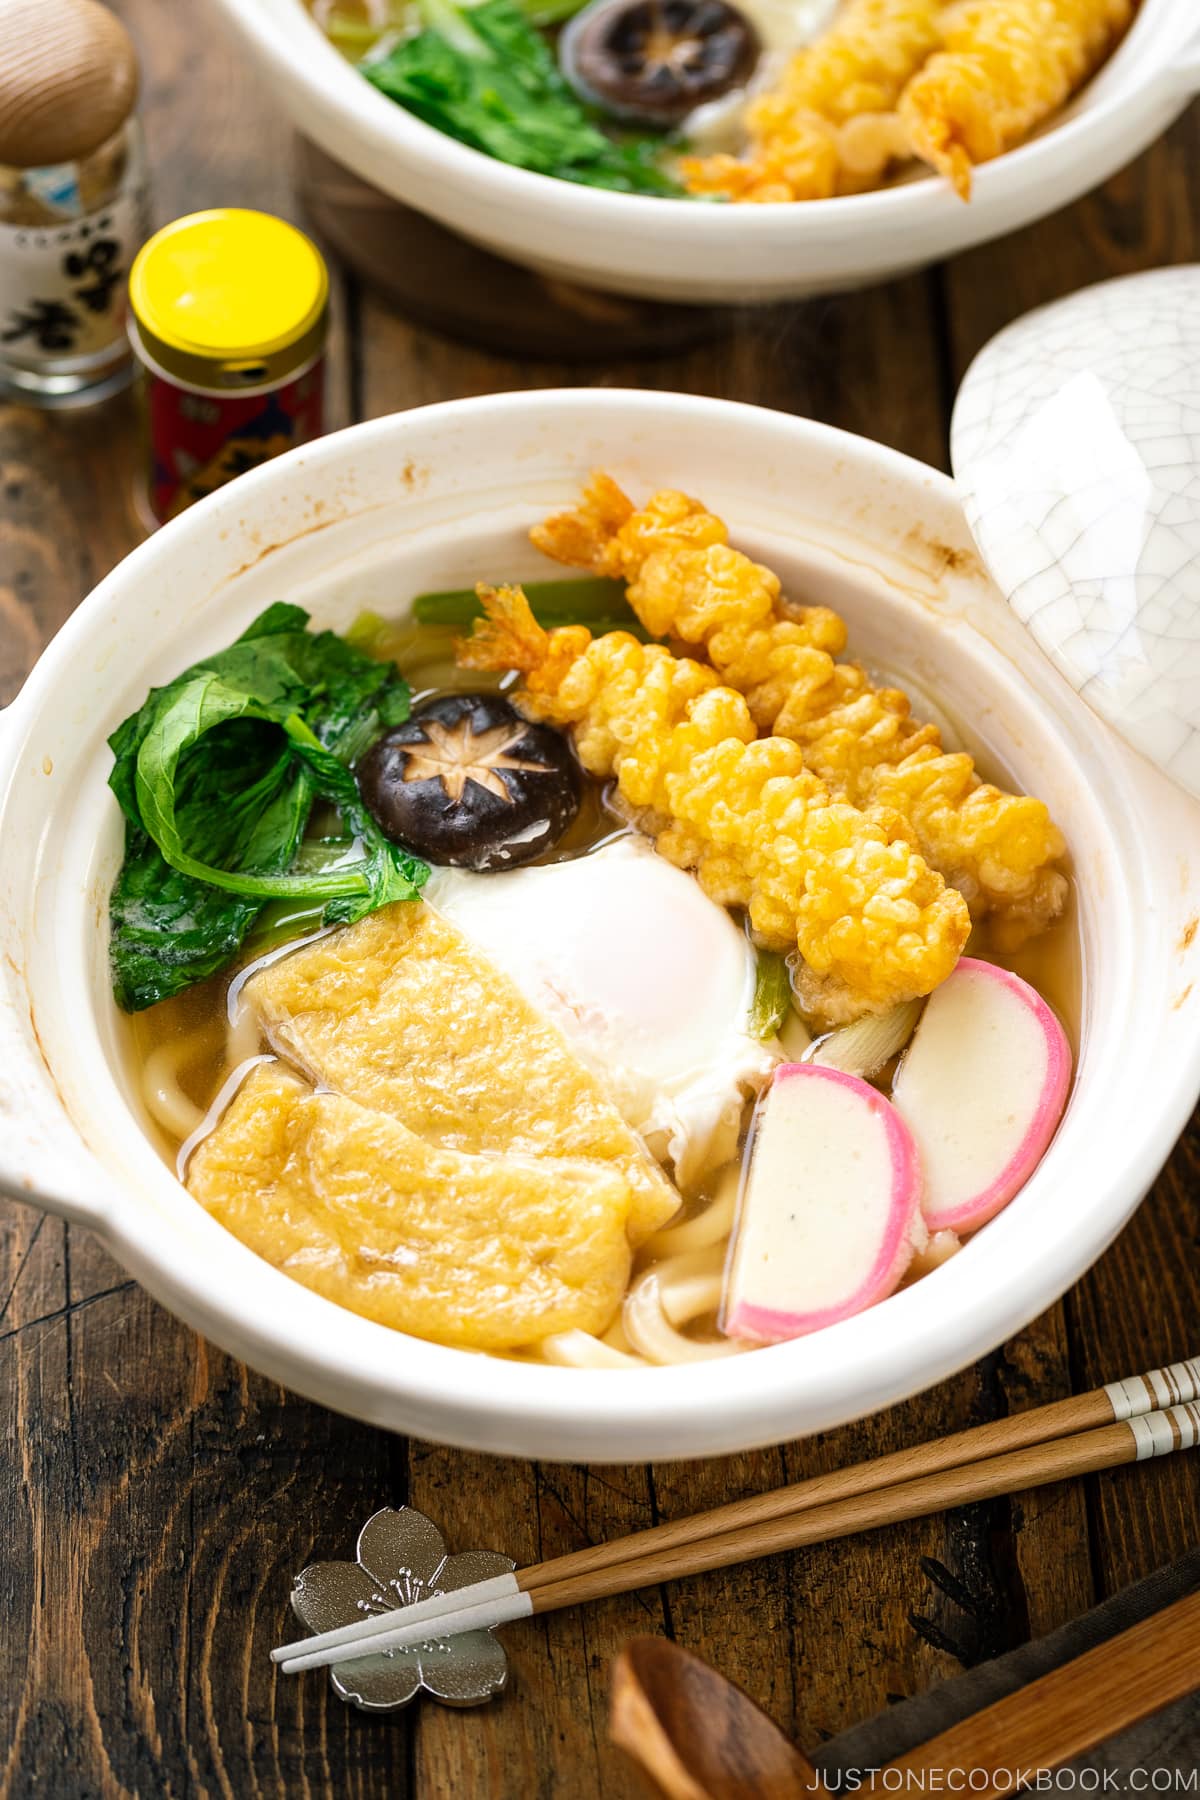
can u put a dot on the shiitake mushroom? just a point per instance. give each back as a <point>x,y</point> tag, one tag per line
<point>651,62</point>
<point>467,781</point>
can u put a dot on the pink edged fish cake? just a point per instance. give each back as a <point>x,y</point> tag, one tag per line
<point>981,1088</point>
<point>830,1210</point>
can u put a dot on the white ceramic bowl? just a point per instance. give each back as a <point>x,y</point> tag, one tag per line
<point>434,498</point>
<point>678,250</point>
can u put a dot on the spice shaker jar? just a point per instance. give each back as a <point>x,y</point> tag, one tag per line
<point>228,313</point>
<point>73,198</point>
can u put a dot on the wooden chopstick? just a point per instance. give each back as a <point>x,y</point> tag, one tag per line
<point>1172,1386</point>
<point>1067,1711</point>
<point>1038,1466</point>
<point>547,1587</point>
<point>1140,1394</point>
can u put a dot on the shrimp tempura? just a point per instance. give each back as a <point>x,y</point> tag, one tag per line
<point>872,922</point>
<point>859,740</point>
<point>806,134</point>
<point>1006,65</point>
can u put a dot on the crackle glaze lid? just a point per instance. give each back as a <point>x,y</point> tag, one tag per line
<point>1075,444</point>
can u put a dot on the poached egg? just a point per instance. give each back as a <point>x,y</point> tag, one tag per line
<point>650,982</point>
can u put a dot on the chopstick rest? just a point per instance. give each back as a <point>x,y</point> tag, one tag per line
<point>923,1478</point>
<point>401,1561</point>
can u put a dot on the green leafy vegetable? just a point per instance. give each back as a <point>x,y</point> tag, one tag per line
<point>772,995</point>
<point>483,74</point>
<point>590,600</point>
<point>217,774</point>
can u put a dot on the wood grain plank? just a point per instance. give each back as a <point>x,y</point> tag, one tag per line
<point>548,1735</point>
<point>1072,1709</point>
<point>32,1297</point>
<point>59,528</point>
<point>1137,1309</point>
<point>179,1496</point>
<point>793,358</point>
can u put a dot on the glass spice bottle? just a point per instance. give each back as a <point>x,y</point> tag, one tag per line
<point>73,198</point>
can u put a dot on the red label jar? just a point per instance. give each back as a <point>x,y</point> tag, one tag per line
<point>228,321</point>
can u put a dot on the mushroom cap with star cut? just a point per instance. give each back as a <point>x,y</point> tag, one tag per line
<point>466,782</point>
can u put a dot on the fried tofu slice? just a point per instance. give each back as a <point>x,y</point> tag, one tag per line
<point>478,1252</point>
<point>402,1014</point>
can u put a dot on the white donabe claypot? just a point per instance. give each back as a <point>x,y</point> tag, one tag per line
<point>441,496</point>
<point>685,251</point>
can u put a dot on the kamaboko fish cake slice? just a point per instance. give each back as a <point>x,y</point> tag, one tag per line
<point>402,1014</point>
<point>872,922</point>
<point>482,1252</point>
<point>1006,66</point>
<point>686,582</point>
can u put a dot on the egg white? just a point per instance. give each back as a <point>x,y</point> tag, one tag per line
<point>650,982</point>
<point>782,26</point>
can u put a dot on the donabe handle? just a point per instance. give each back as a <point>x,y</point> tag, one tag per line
<point>43,1162</point>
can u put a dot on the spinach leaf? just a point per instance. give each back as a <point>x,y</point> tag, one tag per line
<point>167,931</point>
<point>217,774</point>
<point>484,75</point>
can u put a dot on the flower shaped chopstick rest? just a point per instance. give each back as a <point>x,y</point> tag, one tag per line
<point>402,1559</point>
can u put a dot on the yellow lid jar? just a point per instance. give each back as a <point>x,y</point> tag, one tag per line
<point>228,317</point>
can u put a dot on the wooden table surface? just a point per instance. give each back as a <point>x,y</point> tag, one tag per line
<point>157,1498</point>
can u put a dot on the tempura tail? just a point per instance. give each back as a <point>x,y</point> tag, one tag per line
<point>792,155</point>
<point>860,740</point>
<point>871,921</point>
<point>856,72</point>
<point>1006,65</point>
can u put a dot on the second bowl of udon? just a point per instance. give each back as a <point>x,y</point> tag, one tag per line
<point>701,251</point>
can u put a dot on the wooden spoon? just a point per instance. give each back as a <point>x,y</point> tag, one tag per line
<point>698,1737</point>
<point>695,1734</point>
